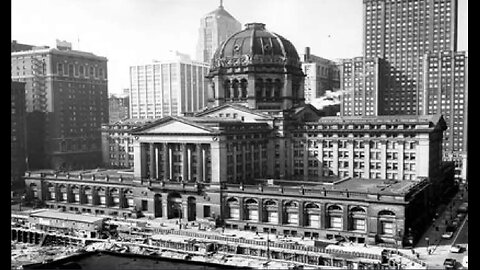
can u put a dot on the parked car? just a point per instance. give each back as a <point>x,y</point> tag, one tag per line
<point>465,262</point>
<point>463,208</point>
<point>447,235</point>
<point>449,263</point>
<point>456,249</point>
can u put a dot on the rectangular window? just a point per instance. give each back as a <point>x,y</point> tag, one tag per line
<point>130,202</point>
<point>292,218</point>
<point>235,213</point>
<point>144,205</point>
<point>387,227</point>
<point>103,200</point>
<point>77,197</point>
<point>253,214</point>
<point>336,222</point>
<point>272,217</point>
<point>314,221</point>
<point>359,224</point>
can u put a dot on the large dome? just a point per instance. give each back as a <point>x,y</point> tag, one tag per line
<point>256,46</point>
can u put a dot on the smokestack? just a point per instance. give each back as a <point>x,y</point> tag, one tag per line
<point>307,55</point>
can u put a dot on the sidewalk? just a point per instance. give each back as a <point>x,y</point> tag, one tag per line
<point>440,248</point>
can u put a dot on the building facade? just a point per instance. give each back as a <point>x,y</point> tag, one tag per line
<point>17,133</point>
<point>118,108</point>
<point>401,33</point>
<point>446,93</point>
<point>362,85</point>
<point>320,75</point>
<point>215,28</point>
<point>169,87</point>
<point>260,159</point>
<point>117,142</point>
<point>66,102</point>
<point>17,47</point>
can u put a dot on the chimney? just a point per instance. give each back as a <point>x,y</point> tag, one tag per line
<point>307,55</point>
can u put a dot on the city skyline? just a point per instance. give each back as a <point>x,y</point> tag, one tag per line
<point>132,46</point>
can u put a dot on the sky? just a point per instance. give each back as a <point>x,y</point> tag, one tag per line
<point>135,32</point>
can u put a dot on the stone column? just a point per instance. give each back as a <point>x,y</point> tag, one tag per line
<point>383,159</point>
<point>301,214</point>
<point>335,158</point>
<point>350,143</point>
<point>260,210</point>
<point>153,173</point>
<point>139,167</point>
<point>199,163</point>
<point>367,159</point>
<point>244,162</point>
<point>252,156</point>
<point>166,161</point>
<point>401,169</point>
<point>170,161</point>
<point>184,162</point>
<point>157,159</point>
<point>218,154</point>
<point>241,210</point>
<point>260,163</point>
<point>189,154</point>
<point>323,216</point>
<point>345,218</point>
<point>320,157</point>
<point>204,164</point>
<point>234,155</point>
<point>280,212</point>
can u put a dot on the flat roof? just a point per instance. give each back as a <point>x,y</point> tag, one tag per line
<point>67,216</point>
<point>366,185</point>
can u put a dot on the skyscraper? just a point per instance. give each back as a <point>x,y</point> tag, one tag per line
<point>17,132</point>
<point>215,27</point>
<point>168,87</point>
<point>362,81</point>
<point>118,108</point>
<point>402,32</point>
<point>66,103</point>
<point>446,93</point>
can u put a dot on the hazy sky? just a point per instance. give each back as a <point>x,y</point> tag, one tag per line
<point>130,32</point>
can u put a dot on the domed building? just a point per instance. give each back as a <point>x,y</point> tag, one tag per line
<point>258,69</point>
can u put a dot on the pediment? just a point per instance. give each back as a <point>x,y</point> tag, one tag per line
<point>175,126</point>
<point>235,113</point>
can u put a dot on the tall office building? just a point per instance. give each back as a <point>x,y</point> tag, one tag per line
<point>321,75</point>
<point>168,87</point>
<point>215,27</point>
<point>17,132</point>
<point>362,81</point>
<point>401,32</point>
<point>118,108</point>
<point>66,103</point>
<point>446,93</point>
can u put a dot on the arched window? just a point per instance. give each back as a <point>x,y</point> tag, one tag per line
<point>236,94</point>
<point>386,219</point>
<point>234,208</point>
<point>226,87</point>
<point>88,195</point>
<point>251,209</point>
<point>358,219</point>
<point>52,193</point>
<point>335,217</point>
<point>115,196</point>
<point>278,89</point>
<point>63,193</point>
<point>312,215</point>
<point>269,88</point>
<point>271,211</point>
<point>291,213</point>
<point>243,87</point>
<point>258,88</point>
<point>76,194</point>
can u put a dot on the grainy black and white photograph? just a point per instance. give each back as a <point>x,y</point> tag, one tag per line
<point>239,134</point>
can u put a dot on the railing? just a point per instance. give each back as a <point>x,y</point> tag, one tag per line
<point>289,246</point>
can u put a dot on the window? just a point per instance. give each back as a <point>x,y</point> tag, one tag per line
<point>272,217</point>
<point>235,213</point>
<point>103,200</point>
<point>77,197</point>
<point>292,218</point>
<point>387,227</point>
<point>336,222</point>
<point>358,224</point>
<point>130,202</point>
<point>252,214</point>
